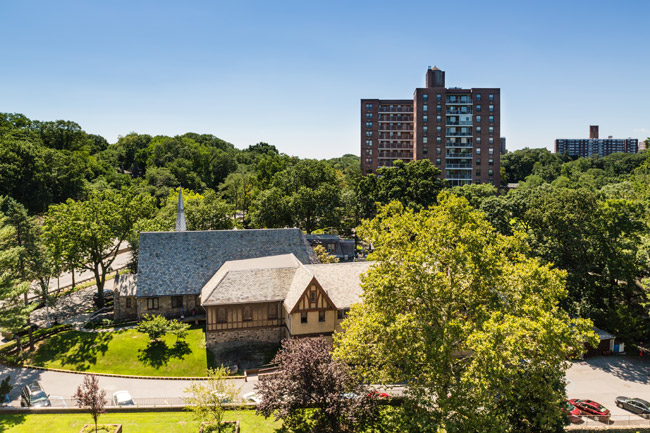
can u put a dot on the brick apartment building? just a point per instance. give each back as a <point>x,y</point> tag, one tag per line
<point>593,145</point>
<point>458,130</point>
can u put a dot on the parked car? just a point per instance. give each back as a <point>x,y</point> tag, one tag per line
<point>122,398</point>
<point>108,297</point>
<point>252,397</point>
<point>590,407</point>
<point>33,395</point>
<point>634,405</point>
<point>572,412</point>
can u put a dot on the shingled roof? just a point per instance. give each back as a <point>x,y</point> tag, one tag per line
<point>181,263</point>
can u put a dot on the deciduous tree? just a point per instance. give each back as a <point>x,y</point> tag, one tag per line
<point>207,397</point>
<point>88,395</point>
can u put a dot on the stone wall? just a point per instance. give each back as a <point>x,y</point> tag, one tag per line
<point>123,313</point>
<point>270,335</point>
<point>165,306</point>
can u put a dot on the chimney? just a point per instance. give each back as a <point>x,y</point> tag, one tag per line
<point>435,78</point>
<point>180,212</point>
<point>593,131</point>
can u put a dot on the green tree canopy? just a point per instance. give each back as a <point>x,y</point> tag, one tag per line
<point>466,318</point>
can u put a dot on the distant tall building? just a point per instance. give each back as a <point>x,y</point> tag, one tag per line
<point>456,129</point>
<point>503,144</point>
<point>595,146</point>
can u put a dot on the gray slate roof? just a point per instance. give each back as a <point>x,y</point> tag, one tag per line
<point>282,278</point>
<point>179,263</point>
<point>125,285</point>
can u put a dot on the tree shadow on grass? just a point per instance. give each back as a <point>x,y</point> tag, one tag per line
<point>86,346</point>
<point>8,421</point>
<point>157,354</point>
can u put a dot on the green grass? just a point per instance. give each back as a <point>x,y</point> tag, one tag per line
<point>145,422</point>
<point>124,352</point>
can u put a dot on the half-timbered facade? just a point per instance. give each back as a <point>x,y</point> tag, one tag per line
<point>270,298</point>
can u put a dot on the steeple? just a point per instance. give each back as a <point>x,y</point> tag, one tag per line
<point>180,212</point>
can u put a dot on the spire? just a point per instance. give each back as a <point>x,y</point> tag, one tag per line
<point>180,212</point>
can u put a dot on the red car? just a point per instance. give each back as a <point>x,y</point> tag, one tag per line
<point>590,407</point>
<point>572,412</point>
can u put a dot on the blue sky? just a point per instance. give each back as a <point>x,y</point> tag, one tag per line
<point>291,73</point>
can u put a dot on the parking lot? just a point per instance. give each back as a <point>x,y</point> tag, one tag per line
<point>604,378</point>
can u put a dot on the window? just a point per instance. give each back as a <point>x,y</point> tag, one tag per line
<point>491,140</point>
<point>312,296</point>
<point>478,140</point>
<point>491,161</point>
<point>491,119</point>
<point>491,151</point>
<point>438,150</point>
<point>128,302</point>
<point>438,107</point>
<point>152,303</point>
<point>490,108</point>
<point>321,316</point>
<point>368,115</point>
<point>425,129</point>
<point>368,133</point>
<point>368,106</point>
<point>438,140</point>
<point>478,171</point>
<point>425,97</point>
<point>425,150</point>
<point>368,142</point>
<point>478,96</point>
<point>425,118</point>
<point>491,129</point>
<point>478,108</point>
<point>177,301</point>
<point>478,129</point>
<point>425,140</point>
<point>438,97</point>
<point>246,314</point>
<point>478,119</point>
<point>368,151</point>
<point>490,172</point>
<point>478,150</point>
<point>272,312</point>
<point>303,317</point>
<point>368,124</point>
<point>478,161</point>
<point>491,97</point>
<point>438,118</point>
<point>437,161</point>
<point>221,315</point>
<point>342,314</point>
<point>438,128</point>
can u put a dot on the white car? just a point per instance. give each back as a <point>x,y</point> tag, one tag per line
<point>122,398</point>
<point>251,397</point>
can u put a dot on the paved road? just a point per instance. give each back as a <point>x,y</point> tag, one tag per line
<point>65,384</point>
<point>65,279</point>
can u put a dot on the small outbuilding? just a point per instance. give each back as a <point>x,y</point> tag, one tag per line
<point>606,345</point>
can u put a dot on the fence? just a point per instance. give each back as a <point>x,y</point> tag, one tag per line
<point>610,422</point>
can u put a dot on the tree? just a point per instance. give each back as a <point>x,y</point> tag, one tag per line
<point>154,326</point>
<point>207,398</point>
<point>324,256</point>
<point>14,310</point>
<point>93,230</point>
<point>415,184</point>
<point>462,315</point>
<point>178,329</point>
<point>313,392</point>
<point>89,395</point>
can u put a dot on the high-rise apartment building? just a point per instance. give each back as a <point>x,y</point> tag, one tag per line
<point>593,145</point>
<point>458,130</point>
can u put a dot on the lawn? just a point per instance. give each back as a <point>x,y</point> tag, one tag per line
<point>124,352</point>
<point>144,422</point>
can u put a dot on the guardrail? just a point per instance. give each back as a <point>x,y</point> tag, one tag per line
<point>609,422</point>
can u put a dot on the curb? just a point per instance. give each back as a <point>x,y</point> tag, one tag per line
<point>124,376</point>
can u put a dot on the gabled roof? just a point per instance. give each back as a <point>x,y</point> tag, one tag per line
<point>300,281</point>
<point>341,281</point>
<point>125,285</point>
<point>263,279</point>
<point>179,263</point>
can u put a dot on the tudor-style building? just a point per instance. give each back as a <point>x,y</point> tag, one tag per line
<point>271,298</point>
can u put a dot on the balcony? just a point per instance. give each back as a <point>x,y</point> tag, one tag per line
<point>458,134</point>
<point>461,110</point>
<point>395,128</point>
<point>386,118</point>
<point>458,176</point>
<point>463,145</point>
<point>459,123</point>
<point>467,155</point>
<point>385,109</point>
<point>461,165</point>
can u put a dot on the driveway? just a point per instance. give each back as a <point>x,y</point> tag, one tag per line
<point>606,377</point>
